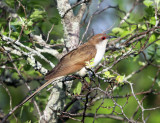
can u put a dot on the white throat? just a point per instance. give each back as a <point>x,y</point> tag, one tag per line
<point>101,47</point>
<point>99,55</point>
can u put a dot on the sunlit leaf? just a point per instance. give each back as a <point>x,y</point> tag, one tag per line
<point>120,79</point>
<point>152,38</point>
<point>148,3</point>
<point>144,27</point>
<point>117,30</point>
<point>141,63</point>
<point>107,74</point>
<point>77,90</point>
<point>158,42</point>
<point>37,15</point>
<point>152,21</point>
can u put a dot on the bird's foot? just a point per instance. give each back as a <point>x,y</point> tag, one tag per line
<point>91,74</point>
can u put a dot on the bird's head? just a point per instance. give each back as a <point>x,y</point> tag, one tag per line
<point>96,39</point>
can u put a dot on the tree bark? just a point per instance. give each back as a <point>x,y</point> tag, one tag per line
<point>71,25</point>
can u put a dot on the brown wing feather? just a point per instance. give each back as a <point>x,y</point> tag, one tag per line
<point>73,61</point>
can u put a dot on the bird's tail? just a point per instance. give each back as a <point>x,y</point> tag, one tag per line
<point>29,97</point>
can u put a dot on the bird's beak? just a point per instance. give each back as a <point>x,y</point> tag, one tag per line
<point>110,37</point>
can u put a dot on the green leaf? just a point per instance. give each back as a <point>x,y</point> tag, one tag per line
<point>17,23</point>
<point>158,60</point>
<point>27,32</point>
<point>54,20</point>
<point>31,109</point>
<point>90,63</point>
<point>117,30</point>
<point>30,23</point>
<point>141,63</point>
<point>149,12</point>
<point>27,103</point>
<point>78,89</point>
<point>152,21</point>
<point>148,3</point>
<point>152,38</point>
<point>27,67</point>
<point>133,27</point>
<point>144,27</point>
<point>151,51</point>
<point>28,121</point>
<point>108,75</point>
<point>126,33</point>
<point>120,79</point>
<point>37,15</point>
<point>87,79</point>
<point>158,42</point>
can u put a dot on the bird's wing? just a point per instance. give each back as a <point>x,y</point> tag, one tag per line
<point>77,56</point>
<point>73,61</point>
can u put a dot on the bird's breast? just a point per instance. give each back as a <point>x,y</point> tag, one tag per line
<point>100,52</point>
<point>98,57</point>
<point>82,72</point>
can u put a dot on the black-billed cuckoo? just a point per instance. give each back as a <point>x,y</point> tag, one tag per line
<point>75,61</point>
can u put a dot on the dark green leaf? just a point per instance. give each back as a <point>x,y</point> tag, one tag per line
<point>54,20</point>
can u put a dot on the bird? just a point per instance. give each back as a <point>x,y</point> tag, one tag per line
<point>75,61</point>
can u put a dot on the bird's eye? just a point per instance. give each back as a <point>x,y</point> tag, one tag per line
<point>103,38</point>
